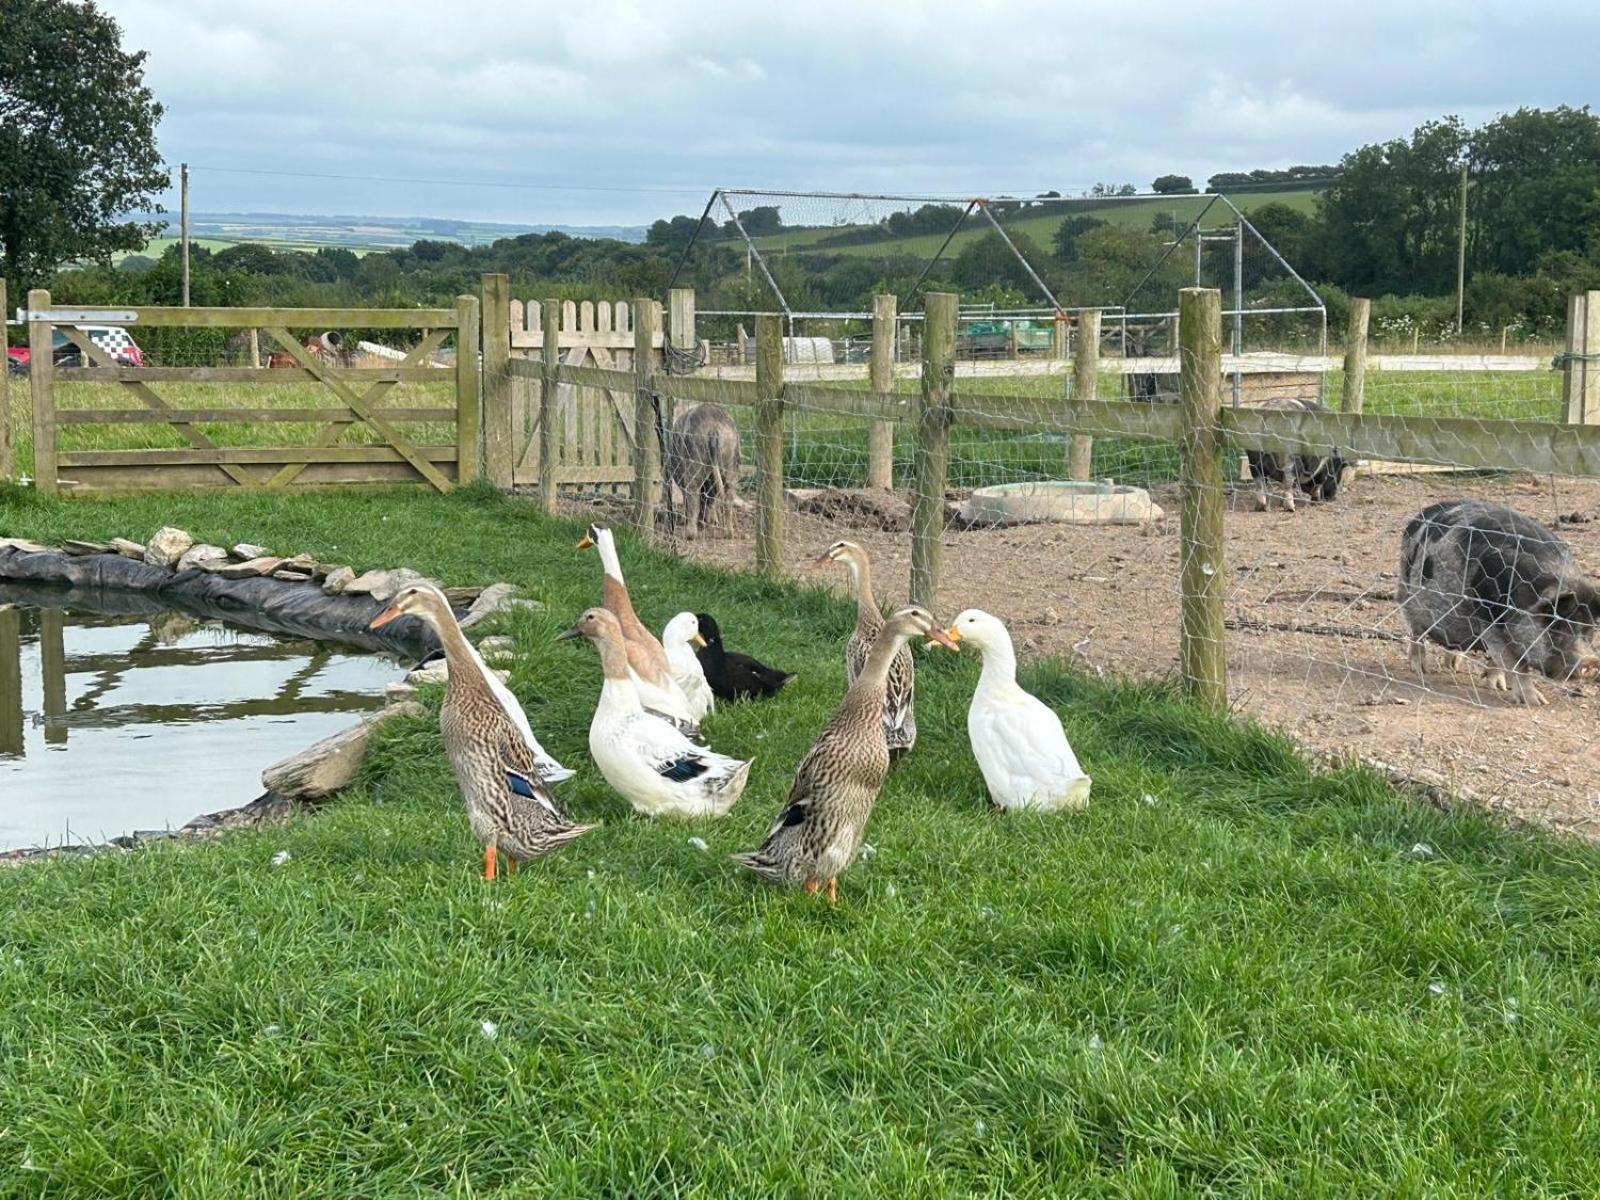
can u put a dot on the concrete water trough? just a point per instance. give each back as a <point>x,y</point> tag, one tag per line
<point>1063,501</point>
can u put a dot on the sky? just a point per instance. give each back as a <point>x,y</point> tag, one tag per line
<point>594,112</point>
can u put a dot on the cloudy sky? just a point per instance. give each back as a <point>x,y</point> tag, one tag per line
<point>602,112</point>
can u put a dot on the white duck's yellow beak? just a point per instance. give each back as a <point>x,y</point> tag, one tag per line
<point>585,542</point>
<point>697,640</point>
<point>944,637</point>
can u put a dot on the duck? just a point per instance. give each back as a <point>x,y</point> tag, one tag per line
<point>899,697</point>
<point>646,758</point>
<point>1018,740</point>
<point>503,772</point>
<point>647,658</point>
<point>819,830</point>
<point>731,675</point>
<point>680,639</point>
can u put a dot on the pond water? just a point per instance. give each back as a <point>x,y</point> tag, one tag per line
<point>111,724</point>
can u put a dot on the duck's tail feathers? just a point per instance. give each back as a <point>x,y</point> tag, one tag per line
<point>734,784</point>
<point>547,841</point>
<point>759,863</point>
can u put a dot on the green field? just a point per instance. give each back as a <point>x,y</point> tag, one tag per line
<point>1233,975</point>
<point>1041,228</point>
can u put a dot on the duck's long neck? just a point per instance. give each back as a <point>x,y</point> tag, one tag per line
<point>613,591</point>
<point>861,580</point>
<point>617,689</point>
<point>999,665</point>
<point>874,677</point>
<point>466,669</point>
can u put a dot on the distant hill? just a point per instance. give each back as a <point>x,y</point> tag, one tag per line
<point>356,232</point>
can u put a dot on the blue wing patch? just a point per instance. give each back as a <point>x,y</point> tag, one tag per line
<point>521,785</point>
<point>682,770</point>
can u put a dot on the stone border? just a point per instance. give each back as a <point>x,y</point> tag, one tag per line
<point>280,594</point>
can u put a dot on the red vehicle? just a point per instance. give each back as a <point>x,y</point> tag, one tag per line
<point>116,341</point>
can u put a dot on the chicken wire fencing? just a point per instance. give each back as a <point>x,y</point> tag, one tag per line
<point>1076,513</point>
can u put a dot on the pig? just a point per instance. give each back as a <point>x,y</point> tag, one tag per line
<point>1481,576</point>
<point>1317,475</point>
<point>703,460</point>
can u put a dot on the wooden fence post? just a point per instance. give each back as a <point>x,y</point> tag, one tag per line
<point>646,443</point>
<point>41,385</point>
<point>469,401</point>
<point>932,457</point>
<point>769,443</point>
<point>880,373</point>
<point>1200,649</point>
<point>1085,387</point>
<point>1354,392</point>
<point>681,336</point>
<point>6,451</point>
<point>549,383</point>
<point>499,440</point>
<point>1580,386</point>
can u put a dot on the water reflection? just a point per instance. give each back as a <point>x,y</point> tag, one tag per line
<point>116,723</point>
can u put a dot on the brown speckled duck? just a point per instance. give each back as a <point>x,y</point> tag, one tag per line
<point>503,772</point>
<point>899,697</point>
<point>817,834</point>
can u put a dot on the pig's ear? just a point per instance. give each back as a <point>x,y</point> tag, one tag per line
<point>1579,603</point>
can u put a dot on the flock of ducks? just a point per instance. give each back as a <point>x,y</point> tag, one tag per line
<point>655,693</point>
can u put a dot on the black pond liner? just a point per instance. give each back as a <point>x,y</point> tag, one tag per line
<point>113,585</point>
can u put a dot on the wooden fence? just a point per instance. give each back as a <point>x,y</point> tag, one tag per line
<point>332,454</point>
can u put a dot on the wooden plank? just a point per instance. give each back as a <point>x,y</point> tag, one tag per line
<point>1085,390</point>
<point>368,412</point>
<point>549,386</point>
<point>646,448</point>
<point>931,457</point>
<point>98,480</point>
<point>692,390</point>
<point>1202,503</point>
<point>41,370</point>
<point>569,398</point>
<point>499,446</point>
<point>616,339</point>
<point>6,461</point>
<point>235,416</point>
<point>597,377</point>
<point>880,379</point>
<point>821,397</point>
<point>293,318</point>
<point>274,375</point>
<point>469,397</point>
<point>525,368</point>
<point>467,432</point>
<point>769,444</point>
<point>218,455</point>
<point>1124,418</point>
<point>91,351</point>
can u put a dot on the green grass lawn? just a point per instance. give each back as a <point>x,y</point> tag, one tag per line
<point>1232,975</point>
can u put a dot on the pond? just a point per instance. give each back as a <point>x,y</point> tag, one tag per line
<point>112,723</point>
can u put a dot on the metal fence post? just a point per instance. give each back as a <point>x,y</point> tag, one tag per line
<point>1200,649</point>
<point>933,444</point>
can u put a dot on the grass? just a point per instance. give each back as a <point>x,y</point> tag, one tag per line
<point>1232,975</point>
<point>1041,228</point>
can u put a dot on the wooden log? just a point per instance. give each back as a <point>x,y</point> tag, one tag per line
<point>41,389</point>
<point>326,766</point>
<point>499,439</point>
<point>1354,390</point>
<point>469,400</point>
<point>769,443</point>
<point>646,443</point>
<point>932,455</point>
<point>1085,390</point>
<point>549,382</point>
<point>880,434</point>
<point>1200,649</point>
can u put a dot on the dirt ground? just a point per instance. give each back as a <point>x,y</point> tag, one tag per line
<point>1338,680</point>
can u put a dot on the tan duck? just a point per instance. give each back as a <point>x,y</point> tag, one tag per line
<point>647,759</point>
<point>899,697</point>
<point>502,771</point>
<point>817,834</point>
<point>659,692</point>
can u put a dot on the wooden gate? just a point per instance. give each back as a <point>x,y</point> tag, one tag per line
<point>596,442</point>
<point>244,435</point>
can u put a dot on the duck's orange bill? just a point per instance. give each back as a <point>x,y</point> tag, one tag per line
<point>585,542</point>
<point>948,640</point>
<point>385,617</point>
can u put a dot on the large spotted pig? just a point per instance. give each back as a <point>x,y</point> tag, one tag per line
<point>1481,576</point>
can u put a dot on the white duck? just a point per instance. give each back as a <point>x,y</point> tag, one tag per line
<point>679,639</point>
<point>646,759</point>
<point>1017,739</point>
<point>647,660</point>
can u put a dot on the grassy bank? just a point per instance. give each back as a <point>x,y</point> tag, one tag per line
<point>1230,976</point>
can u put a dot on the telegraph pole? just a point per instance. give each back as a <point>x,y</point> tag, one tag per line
<point>183,225</point>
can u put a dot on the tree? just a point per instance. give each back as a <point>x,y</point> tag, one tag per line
<point>1065,239</point>
<point>77,140</point>
<point>1173,185</point>
<point>1535,183</point>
